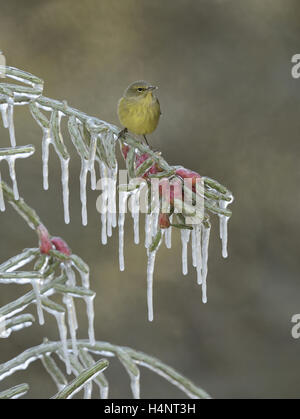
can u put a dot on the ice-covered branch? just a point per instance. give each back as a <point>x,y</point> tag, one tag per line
<point>95,141</point>
<point>27,213</point>
<point>108,350</point>
<point>54,271</point>
<point>14,392</point>
<point>81,380</point>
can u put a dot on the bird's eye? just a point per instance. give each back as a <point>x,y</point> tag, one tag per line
<point>140,89</point>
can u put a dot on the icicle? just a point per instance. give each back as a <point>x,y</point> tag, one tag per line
<point>168,235</point>
<point>69,303</point>
<point>121,241</point>
<point>150,271</point>
<point>46,141</point>
<point>185,236</point>
<point>194,247</point>
<point>12,172</point>
<point>122,208</point>
<point>135,386</point>
<point>198,254</point>
<point>136,228</point>
<point>93,178</point>
<point>65,186</point>
<point>111,200</point>
<point>60,318</point>
<point>132,370</point>
<point>148,230</point>
<point>83,179</point>
<point>88,388</point>
<point>205,242</point>
<point>104,198</point>
<point>104,387</point>
<point>92,156</point>
<point>114,195</point>
<point>10,118</point>
<point>154,222</point>
<point>90,315</point>
<point>135,200</point>
<point>2,203</point>
<point>223,227</point>
<point>72,320</point>
<point>36,288</point>
<point>109,213</point>
<point>85,280</point>
<point>103,231</point>
<point>3,108</point>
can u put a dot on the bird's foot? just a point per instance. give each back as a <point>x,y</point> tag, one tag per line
<point>122,133</point>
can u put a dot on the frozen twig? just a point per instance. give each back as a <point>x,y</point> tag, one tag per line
<point>14,392</point>
<point>81,380</point>
<point>108,350</point>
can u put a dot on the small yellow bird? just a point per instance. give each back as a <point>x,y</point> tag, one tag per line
<point>139,109</point>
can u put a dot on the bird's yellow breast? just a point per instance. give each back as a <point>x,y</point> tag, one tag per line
<point>140,115</point>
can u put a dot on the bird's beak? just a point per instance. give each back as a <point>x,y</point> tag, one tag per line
<point>150,88</point>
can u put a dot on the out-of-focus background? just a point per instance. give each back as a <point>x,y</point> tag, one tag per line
<point>230,111</point>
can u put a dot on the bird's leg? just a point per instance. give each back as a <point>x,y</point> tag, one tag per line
<point>122,133</point>
<point>146,141</point>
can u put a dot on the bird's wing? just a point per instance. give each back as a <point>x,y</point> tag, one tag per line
<point>159,107</point>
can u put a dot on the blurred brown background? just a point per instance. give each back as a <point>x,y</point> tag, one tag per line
<point>230,111</point>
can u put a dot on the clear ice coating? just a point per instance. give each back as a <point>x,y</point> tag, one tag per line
<point>168,235</point>
<point>89,300</point>
<point>224,226</point>
<point>135,201</point>
<point>2,203</point>
<point>122,213</point>
<point>61,324</point>
<point>198,254</point>
<point>12,172</point>
<point>205,242</point>
<point>46,141</point>
<point>10,120</point>
<point>133,372</point>
<point>70,305</point>
<point>65,187</point>
<point>103,386</point>
<point>3,108</point>
<point>36,287</point>
<point>91,160</point>
<point>150,272</point>
<point>83,180</point>
<point>185,237</point>
<point>108,200</point>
